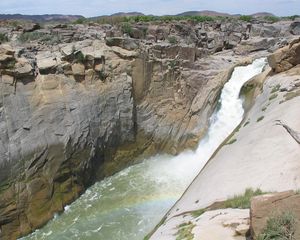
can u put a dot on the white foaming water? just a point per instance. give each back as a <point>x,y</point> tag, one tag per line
<point>186,165</point>
<point>129,204</point>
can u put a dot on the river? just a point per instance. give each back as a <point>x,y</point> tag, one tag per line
<point>127,205</point>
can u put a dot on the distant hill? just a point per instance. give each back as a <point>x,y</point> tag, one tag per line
<point>263,14</point>
<point>204,13</point>
<point>214,14</point>
<point>41,18</point>
<point>127,14</point>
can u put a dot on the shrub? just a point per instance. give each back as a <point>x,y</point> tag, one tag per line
<point>231,141</point>
<point>185,231</point>
<point>293,17</point>
<point>273,96</point>
<point>246,123</point>
<point>30,36</point>
<point>281,227</point>
<point>11,64</point>
<point>3,38</point>
<point>275,88</point>
<point>242,201</point>
<point>80,20</point>
<point>260,118</point>
<point>272,19</point>
<point>237,201</point>
<point>246,18</point>
<point>172,40</point>
<point>102,75</point>
<point>126,28</point>
<point>39,36</point>
<point>79,57</point>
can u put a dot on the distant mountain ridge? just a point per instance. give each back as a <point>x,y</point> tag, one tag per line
<point>203,13</point>
<point>70,18</point>
<point>41,18</point>
<point>214,14</point>
<point>125,14</point>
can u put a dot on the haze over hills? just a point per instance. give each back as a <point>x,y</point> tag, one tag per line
<point>70,18</point>
<point>124,14</point>
<point>41,18</point>
<point>204,13</point>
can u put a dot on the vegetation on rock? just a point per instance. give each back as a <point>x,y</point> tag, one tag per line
<point>3,38</point>
<point>185,231</point>
<point>238,201</point>
<point>280,227</point>
<point>260,119</point>
<point>246,18</point>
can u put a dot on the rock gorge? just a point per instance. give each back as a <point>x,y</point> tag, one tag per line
<point>81,102</point>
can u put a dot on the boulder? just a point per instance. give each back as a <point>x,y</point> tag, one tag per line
<point>78,69</point>
<point>127,43</point>
<point>23,68</point>
<point>271,205</point>
<point>6,50</point>
<point>30,27</point>
<point>286,57</point>
<point>295,28</point>
<point>138,33</point>
<point>46,64</point>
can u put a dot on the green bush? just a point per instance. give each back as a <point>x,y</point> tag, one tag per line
<point>80,20</point>
<point>272,19</point>
<point>185,231</point>
<point>31,36</point>
<point>275,88</point>
<point>273,96</point>
<point>246,18</point>
<point>237,201</point>
<point>281,227</point>
<point>126,28</point>
<point>79,57</point>
<point>172,40</point>
<point>242,201</point>
<point>39,36</point>
<point>3,38</point>
<point>11,64</point>
<point>132,19</point>
<point>260,119</point>
<point>293,17</point>
<point>231,141</point>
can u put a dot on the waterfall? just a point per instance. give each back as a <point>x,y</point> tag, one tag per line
<point>129,204</point>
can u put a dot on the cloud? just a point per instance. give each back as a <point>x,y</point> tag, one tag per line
<point>158,7</point>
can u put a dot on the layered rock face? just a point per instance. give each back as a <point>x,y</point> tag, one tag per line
<point>86,106</point>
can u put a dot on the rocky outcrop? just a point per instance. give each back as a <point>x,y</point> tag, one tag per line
<point>274,205</point>
<point>285,58</point>
<point>295,28</point>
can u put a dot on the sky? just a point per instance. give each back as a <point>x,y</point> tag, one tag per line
<point>89,8</point>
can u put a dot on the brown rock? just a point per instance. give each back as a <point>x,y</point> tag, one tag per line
<point>7,50</point>
<point>78,69</point>
<point>23,68</point>
<point>285,58</point>
<point>265,206</point>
